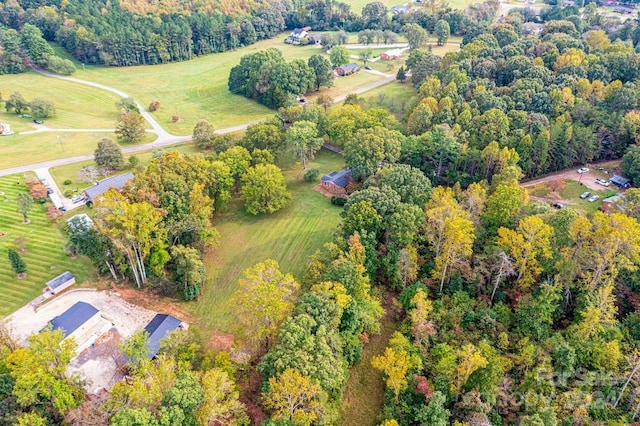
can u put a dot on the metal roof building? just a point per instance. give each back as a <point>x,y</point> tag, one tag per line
<point>74,318</point>
<point>104,185</point>
<point>61,282</point>
<point>158,328</point>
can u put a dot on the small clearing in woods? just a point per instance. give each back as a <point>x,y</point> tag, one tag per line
<point>364,394</point>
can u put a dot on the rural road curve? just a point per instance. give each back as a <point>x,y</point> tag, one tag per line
<point>164,138</point>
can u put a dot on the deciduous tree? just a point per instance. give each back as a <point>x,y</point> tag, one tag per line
<point>264,299</point>
<point>339,55</point>
<point>238,159</point>
<point>109,155</point>
<point>130,126</point>
<point>302,139</point>
<point>264,189</point>
<point>221,404</point>
<point>322,70</point>
<point>24,203</point>
<point>41,108</point>
<point>442,31</point>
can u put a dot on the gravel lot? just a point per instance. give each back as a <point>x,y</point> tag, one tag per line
<point>96,363</point>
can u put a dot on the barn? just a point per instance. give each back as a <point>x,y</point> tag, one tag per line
<point>391,55</point>
<point>59,283</point>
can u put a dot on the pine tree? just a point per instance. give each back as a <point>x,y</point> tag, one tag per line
<point>402,75</point>
<point>16,261</point>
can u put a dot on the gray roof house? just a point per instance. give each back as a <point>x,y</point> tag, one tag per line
<point>117,182</point>
<point>336,182</point>
<point>74,318</point>
<point>347,69</point>
<point>158,328</point>
<point>620,181</point>
<point>61,282</point>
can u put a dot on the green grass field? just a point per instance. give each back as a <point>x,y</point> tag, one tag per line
<point>77,108</point>
<point>19,150</point>
<point>195,89</point>
<point>573,190</point>
<point>44,246</point>
<point>288,236</point>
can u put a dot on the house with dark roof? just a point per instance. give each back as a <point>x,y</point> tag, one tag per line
<point>59,283</point>
<point>336,182</point>
<point>117,182</point>
<point>347,69</point>
<point>298,35</point>
<point>158,328</point>
<point>620,182</point>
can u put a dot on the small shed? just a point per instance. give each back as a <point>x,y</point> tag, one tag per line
<point>317,38</point>
<point>613,204</point>
<point>347,69</point>
<point>81,220</point>
<point>620,182</point>
<point>158,328</point>
<point>117,182</point>
<point>60,283</point>
<point>337,182</point>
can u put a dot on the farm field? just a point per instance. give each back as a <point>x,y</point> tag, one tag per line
<point>44,244</point>
<point>17,150</point>
<point>289,236</point>
<point>195,89</point>
<point>89,108</point>
<point>70,171</point>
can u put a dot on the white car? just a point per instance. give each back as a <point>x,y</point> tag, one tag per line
<point>603,182</point>
<point>77,198</point>
<point>593,198</point>
<point>583,170</point>
<point>44,181</point>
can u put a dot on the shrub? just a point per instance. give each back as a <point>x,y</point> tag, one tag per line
<point>133,162</point>
<point>17,263</point>
<point>68,193</point>
<point>67,182</point>
<point>175,119</point>
<point>338,201</point>
<point>311,175</point>
<point>154,106</point>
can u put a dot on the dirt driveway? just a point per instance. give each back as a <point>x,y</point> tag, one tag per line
<point>587,179</point>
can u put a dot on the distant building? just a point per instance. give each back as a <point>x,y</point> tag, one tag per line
<point>620,182</point>
<point>158,328</point>
<point>117,182</point>
<point>336,182</point>
<point>298,35</point>
<point>391,55</point>
<point>531,28</point>
<point>568,3</point>
<point>317,38</point>
<point>401,8</point>
<point>5,129</point>
<point>627,10</point>
<point>59,283</point>
<point>348,69</point>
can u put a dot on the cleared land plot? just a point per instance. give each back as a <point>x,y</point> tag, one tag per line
<point>568,192</point>
<point>44,255</point>
<point>95,363</point>
<point>196,89</point>
<point>347,84</point>
<point>288,236</point>
<point>77,107</point>
<point>19,150</point>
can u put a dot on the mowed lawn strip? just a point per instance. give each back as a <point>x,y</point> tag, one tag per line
<point>289,236</point>
<point>45,257</point>
<point>20,150</point>
<point>77,107</point>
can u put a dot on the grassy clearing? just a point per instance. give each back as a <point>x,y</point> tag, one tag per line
<point>44,246</point>
<point>18,150</point>
<point>572,191</point>
<point>364,394</point>
<point>288,236</point>
<point>195,89</point>
<point>89,108</point>
<point>347,84</point>
<point>70,171</point>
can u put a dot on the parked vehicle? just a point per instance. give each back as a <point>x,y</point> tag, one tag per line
<point>585,194</point>
<point>593,198</point>
<point>558,206</point>
<point>44,181</point>
<point>603,182</point>
<point>583,170</point>
<point>38,121</point>
<point>77,198</point>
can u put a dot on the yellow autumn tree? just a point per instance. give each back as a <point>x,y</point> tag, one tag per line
<point>528,245</point>
<point>396,362</point>
<point>470,359</point>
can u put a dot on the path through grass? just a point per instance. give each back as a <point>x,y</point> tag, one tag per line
<point>364,394</point>
<point>288,236</point>
<point>44,256</point>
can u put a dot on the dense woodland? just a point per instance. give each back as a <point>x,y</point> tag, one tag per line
<point>513,313</point>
